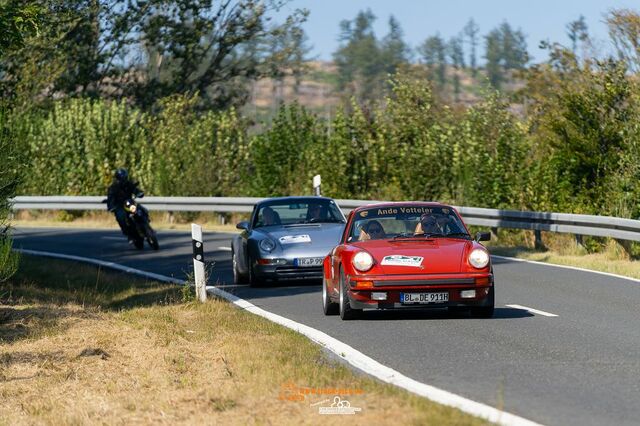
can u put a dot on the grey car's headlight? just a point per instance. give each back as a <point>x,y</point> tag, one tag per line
<point>362,261</point>
<point>479,258</point>
<point>267,245</point>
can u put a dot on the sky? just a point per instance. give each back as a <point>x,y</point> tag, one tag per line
<point>538,19</point>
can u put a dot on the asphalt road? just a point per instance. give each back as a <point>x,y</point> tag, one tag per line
<point>581,367</point>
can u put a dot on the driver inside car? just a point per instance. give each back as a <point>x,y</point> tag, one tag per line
<point>428,224</point>
<point>372,230</point>
<point>270,217</point>
<point>315,213</point>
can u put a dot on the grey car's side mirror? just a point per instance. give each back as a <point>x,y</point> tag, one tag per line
<point>244,225</point>
<point>483,236</point>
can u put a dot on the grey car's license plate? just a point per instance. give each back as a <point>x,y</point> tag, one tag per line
<point>308,261</point>
<point>423,298</point>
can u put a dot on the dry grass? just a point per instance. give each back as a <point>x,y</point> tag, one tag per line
<point>105,220</point>
<point>122,360</point>
<point>605,255</point>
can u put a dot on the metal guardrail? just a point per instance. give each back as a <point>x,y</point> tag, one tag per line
<point>598,226</point>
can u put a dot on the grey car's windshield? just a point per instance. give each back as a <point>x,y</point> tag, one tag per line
<point>407,222</point>
<point>303,211</point>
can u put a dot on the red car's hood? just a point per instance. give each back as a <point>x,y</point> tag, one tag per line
<point>439,255</point>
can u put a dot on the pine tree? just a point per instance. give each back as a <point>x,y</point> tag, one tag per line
<point>433,53</point>
<point>394,50</point>
<point>456,54</point>
<point>578,32</point>
<point>493,56</point>
<point>471,31</point>
<point>358,57</point>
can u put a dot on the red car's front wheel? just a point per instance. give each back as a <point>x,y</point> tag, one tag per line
<point>485,311</point>
<point>346,311</point>
<point>328,306</point>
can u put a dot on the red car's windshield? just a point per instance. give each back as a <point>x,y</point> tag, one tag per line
<point>405,221</point>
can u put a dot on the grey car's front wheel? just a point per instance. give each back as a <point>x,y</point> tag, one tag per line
<point>238,278</point>
<point>251,276</point>
<point>328,306</point>
<point>346,311</point>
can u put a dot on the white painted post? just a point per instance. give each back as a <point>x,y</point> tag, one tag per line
<point>198,262</point>
<point>316,185</point>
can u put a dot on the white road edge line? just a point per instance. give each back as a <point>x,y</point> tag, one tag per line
<point>533,311</point>
<point>224,248</point>
<point>575,268</point>
<point>349,354</point>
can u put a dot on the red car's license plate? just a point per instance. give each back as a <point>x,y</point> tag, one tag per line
<point>420,298</point>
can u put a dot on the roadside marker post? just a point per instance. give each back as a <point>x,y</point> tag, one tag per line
<point>198,262</point>
<point>316,185</point>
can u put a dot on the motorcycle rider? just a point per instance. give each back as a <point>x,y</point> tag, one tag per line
<point>121,190</point>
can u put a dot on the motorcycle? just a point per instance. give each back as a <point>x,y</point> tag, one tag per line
<point>139,225</point>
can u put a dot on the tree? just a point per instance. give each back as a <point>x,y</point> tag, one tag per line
<point>471,31</point>
<point>506,50</point>
<point>9,178</point>
<point>215,49</point>
<point>514,48</point>
<point>394,50</point>
<point>577,31</point>
<point>456,54</point>
<point>493,56</point>
<point>624,30</point>
<point>433,52</point>
<point>17,21</point>
<point>299,55</point>
<point>179,47</point>
<point>358,58</point>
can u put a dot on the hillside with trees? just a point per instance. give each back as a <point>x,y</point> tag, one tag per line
<point>221,100</point>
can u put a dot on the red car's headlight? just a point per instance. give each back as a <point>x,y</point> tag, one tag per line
<point>479,258</point>
<point>362,261</point>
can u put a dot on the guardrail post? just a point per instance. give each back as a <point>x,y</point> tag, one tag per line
<point>494,232</point>
<point>198,262</point>
<point>626,245</point>
<point>579,240</point>
<point>317,181</point>
<point>538,239</point>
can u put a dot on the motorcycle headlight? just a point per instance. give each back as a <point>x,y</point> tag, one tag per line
<point>267,245</point>
<point>362,261</point>
<point>133,208</point>
<point>479,258</point>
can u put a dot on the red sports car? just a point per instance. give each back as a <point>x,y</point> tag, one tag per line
<point>408,256</point>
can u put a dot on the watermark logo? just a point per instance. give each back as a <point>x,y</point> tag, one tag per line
<point>332,402</point>
<point>338,406</point>
<point>290,392</point>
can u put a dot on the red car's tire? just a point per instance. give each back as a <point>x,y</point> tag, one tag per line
<point>485,311</point>
<point>328,306</point>
<point>346,311</point>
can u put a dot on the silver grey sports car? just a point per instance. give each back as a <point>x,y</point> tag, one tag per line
<point>286,238</point>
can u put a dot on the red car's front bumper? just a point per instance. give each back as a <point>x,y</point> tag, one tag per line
<point>362,288</point>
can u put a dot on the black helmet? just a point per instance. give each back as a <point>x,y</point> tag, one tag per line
<point>121,174</point>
